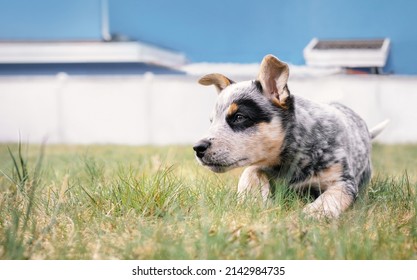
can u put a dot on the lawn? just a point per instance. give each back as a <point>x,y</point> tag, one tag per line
<point>124,202</point>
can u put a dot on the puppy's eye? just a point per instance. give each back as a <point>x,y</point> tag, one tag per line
<point>239,118</point>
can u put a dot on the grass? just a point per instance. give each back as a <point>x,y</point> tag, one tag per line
<point>117,202</point>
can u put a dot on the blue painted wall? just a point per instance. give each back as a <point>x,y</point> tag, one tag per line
<point>223,31</point>
<point>243,31</point>
<point>50,20</point>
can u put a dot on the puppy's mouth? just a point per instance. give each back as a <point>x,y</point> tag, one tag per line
<point>222,167</point>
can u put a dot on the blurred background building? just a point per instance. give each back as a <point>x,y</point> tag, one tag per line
<point>125,71</point>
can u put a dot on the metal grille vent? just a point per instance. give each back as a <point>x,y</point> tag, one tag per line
<point>371,53</point>
<point>349,45</point>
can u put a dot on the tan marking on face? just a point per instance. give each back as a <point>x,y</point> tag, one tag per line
<point>266,145</point>
<point>232,109</point>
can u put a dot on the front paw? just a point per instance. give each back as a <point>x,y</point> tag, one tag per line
<point>253,182</point>
<point>321,210</point>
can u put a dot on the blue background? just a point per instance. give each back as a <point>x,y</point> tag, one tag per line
<point>222,31</point>
<point>50,20</point>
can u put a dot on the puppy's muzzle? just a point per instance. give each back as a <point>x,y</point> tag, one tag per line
<point>201,147</point>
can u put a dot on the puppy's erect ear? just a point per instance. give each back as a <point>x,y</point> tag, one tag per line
<point>273,76</point>
<point>220,81</point>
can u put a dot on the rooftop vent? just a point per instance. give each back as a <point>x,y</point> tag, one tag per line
<point>88,52</point>
<point>347,53</point>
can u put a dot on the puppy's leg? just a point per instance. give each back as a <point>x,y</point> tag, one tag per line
<point>253,181</point>
<point>331,203</point>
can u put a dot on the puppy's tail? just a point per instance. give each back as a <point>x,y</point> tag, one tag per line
<point>375,131</point>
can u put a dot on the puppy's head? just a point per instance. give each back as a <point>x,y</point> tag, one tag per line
<point>247,121</point>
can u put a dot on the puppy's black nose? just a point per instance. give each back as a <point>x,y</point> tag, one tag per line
<point>200,147</point>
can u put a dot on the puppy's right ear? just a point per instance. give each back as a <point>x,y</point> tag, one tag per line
<point>218,80</point>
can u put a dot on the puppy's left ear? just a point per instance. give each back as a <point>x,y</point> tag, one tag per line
<point>218,80</point>
<point>273,75</point>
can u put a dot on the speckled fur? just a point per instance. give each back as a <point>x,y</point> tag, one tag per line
<point>319,136</point>
<point>323,148</point>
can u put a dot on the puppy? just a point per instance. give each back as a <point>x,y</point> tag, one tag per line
<point>320,148</point>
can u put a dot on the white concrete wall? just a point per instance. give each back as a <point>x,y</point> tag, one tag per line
<point>162,110</point>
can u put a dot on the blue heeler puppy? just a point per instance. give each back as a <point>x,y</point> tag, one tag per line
<point>318,148</point>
